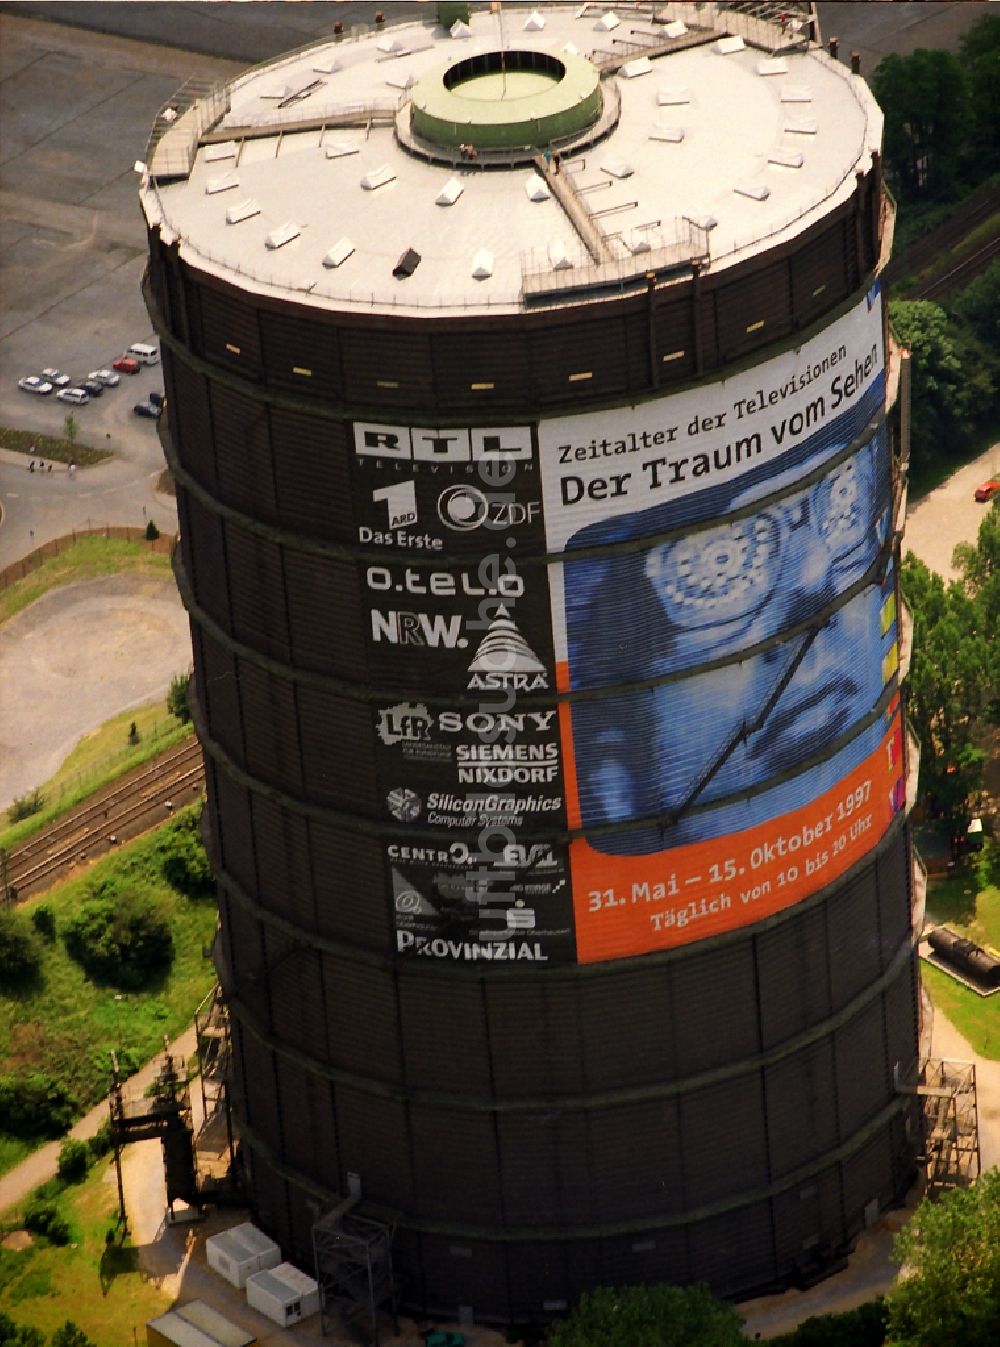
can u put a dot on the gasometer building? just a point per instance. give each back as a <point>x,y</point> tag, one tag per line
<point>527,396</point>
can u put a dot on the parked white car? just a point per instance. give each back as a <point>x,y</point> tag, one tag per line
<point>31,383</point>
<point>107,377</point>
<point>56,376</point>
<point>78,396</point>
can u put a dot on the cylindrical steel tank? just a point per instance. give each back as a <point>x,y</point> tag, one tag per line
<point>544,610</point>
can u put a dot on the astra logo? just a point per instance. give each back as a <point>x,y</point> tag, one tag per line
<point>423,444</point>
<point>505,659</point>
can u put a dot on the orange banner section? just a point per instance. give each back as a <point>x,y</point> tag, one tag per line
<point>627,905</point>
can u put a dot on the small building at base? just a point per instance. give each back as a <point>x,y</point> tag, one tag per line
<point>283,1293</point>
<point>241,1251</point>
<point>196,1325</point>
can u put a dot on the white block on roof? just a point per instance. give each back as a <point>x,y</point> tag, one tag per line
<point>278,91</point>
<point>672,134</point>
<point>449,193</point>
<point>675,28</point>
<point>607,23</point>
<point>378,177</point>
<point>796,93</point>
<point>537,189</point>
<point>460,29</point>
<point>802,126</point>
<point>728,46</point>
<point>787,158</point>
<point>571,49</point>
<point>392,46</point>
<point>283,1293</point>
<point>642,65</point>
<point>534,23</point>
<point>618,168</point>
<point>339,253</point>
<point>638,241</point>
<point>756,191</point>
<point>227,150</point>
<point>673,95</point>
<point>777,65</point>
<point>242,210</point>
<point>224,182</point>
<point>702,218</point>
<point>559,258</point>
<point>283,234</point>
<point>238,1253</point>
<point>482,264</point>
<point>327,67</point>
<point>339,149</point>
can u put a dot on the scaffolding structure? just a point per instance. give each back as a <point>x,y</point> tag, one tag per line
<point>353,1256</point>
<point>950,1123</point>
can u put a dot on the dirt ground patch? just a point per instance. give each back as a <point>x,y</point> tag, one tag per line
<point>76,657</point>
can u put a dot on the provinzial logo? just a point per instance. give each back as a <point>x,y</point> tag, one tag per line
<point>505,659</point>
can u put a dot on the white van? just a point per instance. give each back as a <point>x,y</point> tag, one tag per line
<point>145,354</point>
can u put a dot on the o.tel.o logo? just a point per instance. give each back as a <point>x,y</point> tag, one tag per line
<point>463,508</point>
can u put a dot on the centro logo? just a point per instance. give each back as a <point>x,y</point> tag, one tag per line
<point>451,444</point>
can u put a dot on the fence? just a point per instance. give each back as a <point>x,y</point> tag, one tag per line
<point>17,570</point>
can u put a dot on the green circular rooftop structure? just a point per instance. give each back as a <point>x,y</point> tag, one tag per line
<point>506,99</point>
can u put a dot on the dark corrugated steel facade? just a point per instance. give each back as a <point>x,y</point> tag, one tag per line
<point>723,1111</point>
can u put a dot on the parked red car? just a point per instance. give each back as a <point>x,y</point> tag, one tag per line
<point>988,489</point>
<point>126,365</point>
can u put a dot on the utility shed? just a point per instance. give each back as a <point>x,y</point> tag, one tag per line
<point>196,1325</point>
<point>284,1294</point>
<point>237,1253</point>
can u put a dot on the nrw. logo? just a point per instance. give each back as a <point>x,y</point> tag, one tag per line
<point>407,722</point>
<point>401,502</point>
<point>404,804</point>
<point>505,659</point>
<point>405,628</point>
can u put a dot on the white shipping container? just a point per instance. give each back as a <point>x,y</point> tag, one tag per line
<point>284,1294</point>
<point>238,1253</point>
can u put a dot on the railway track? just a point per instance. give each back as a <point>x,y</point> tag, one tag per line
<point>120,811</point>
<point>966,270</point>
<point>973,212</point>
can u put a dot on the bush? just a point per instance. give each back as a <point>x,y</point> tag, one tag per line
<point>152,532</point>
<point>100,1143</point>
<point>43,919</point>
<point>70,1336</point>
<point>450,12</point>
<point>20,955</point>
<point>34,1105</point>
<point>16,1335</point>
<point>177,703</point>
<point>44,1218</point>
<point>186,865</point>
<point>26,805</point>
<point>74,1160</point>
<point>861,1327</point>
<point>120,937</point>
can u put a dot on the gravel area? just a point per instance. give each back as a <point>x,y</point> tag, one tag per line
<point>81,654</point>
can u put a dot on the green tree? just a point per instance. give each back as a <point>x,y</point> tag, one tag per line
<point>20,951</point>
<point>177,697</point>
<point>70,1336</point>
<point>925,100</point>
<point>980,55</point>
<point>71,427</point>
<point>978,306</point>
<point>120,937</point>
<point>33,1104</point>
<point>980,568</point>
<point>649,1316</point>
<point>947,690</point>
<point>950,388</point>
<point>17,1335</point>
<point>949,1290</point>
<point>74,1160</point>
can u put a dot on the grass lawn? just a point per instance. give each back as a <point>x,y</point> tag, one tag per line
<point>101,1289</point>
<point>84,560</point>
<point>57,448</point>
<point>99,758</point>
<point>972,908</point>
<point>66,1024</point>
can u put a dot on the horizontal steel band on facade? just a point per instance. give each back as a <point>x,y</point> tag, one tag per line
<point>412,832</point>
<point>286,536</point>
<point>432,363</point>
<point>593,1099</point>
<point>507,1234</point>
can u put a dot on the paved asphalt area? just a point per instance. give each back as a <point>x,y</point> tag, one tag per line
<point>76,105</point>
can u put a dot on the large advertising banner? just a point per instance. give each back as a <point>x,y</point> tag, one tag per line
<point>726,607</point>
<point>448,514</point>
